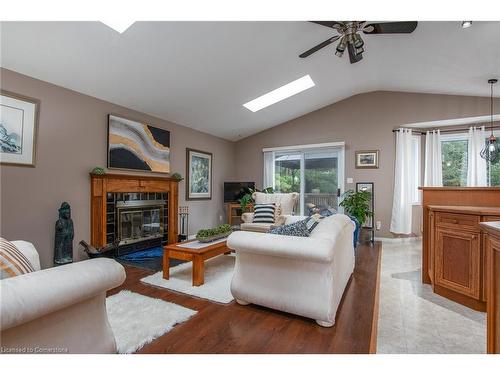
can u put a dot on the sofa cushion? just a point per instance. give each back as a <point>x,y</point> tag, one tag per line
<point>256,227</point>
<point>12,260</point>
<point>264,213</point>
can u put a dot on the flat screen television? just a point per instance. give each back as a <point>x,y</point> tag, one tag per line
<point>234,191</point>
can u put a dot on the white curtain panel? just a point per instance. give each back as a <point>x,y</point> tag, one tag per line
<point>433,175</point>
<point>476,165</point>
<point>268,178</point>
<point>403,183</point>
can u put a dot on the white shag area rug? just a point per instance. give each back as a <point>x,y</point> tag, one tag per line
<point>218,275</point>
<point>137,320</point>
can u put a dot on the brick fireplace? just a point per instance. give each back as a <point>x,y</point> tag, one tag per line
<point>138,212</point>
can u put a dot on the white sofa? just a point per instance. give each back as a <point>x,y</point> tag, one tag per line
<point>287,203</point>
<point>61,309</point>
<point>305,276</point>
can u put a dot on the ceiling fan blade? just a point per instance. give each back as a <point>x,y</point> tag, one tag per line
<point>390,27</point>
<point>353,56</point>
<point>319,46</point>
<point>331,24</point>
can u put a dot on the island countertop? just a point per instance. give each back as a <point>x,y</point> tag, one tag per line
<point>491,227</point>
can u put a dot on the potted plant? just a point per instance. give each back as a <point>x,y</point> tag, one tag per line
<point>213,234</point>
<point>357,205</point>
<point>247,199</point>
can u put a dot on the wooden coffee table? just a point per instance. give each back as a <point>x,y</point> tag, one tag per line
<point>197,256</point>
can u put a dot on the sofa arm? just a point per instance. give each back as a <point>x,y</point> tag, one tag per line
<point>247,217</point>
<point>33,295</point>
<point>300,248</point>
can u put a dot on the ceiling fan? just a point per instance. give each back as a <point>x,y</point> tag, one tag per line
<point>350,38</point>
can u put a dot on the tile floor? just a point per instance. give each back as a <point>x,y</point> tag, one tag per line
<point>412,319</point>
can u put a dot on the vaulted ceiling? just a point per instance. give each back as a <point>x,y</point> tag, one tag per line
<point>199,74</point>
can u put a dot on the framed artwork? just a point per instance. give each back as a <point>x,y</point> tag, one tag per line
<point>138,146</point>
<point>198,174</point>
<point>367,186</point>
<point>367,159</point>
<point>18,129</point>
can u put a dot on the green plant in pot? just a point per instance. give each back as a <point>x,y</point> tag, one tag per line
<point>247,199</point>
<point>212,234</point>
<point>357,204</point>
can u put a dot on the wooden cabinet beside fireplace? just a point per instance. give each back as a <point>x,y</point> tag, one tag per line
<point>457,266</point>
<point>101,185</point>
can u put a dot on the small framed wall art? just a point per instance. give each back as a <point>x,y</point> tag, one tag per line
<point>198,175</point>
<point>18,129</point>
<point>367,159</point>
<point>137,145</point>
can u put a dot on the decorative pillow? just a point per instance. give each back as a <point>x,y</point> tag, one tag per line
<point>312,221</point>
<point>277,212</point>
<point>12,261</point>
<point>264,213</point>
<point>297,229</point>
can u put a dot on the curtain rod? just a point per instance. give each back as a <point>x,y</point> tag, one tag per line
<point>447,130</point>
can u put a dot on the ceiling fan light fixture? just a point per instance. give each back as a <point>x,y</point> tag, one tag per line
<point>466,24</point>
<point>358,41</point>
<point>341,46</point>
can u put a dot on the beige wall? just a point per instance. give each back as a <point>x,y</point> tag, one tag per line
<point>364,122</point>
<point>71,141</point>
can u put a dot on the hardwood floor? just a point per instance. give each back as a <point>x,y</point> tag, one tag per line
<point>231,328</point>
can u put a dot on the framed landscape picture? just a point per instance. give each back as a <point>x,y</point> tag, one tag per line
<point>138,146</point>
<point>367,159</point>
<point>198,174</point>
<point>18,129</point>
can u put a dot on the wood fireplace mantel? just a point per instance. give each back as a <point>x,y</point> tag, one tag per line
<point>101,185</point>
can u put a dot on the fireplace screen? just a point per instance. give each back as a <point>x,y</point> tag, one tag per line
<point>140,223</point>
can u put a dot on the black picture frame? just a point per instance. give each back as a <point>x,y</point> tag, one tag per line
<point>194,196</point>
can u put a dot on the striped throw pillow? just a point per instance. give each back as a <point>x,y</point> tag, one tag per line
<point>264,213</point>
<point>12,261</point>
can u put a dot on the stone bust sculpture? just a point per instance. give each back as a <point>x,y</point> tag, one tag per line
<point>63,248</point>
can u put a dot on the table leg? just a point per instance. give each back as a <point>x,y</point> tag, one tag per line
<point>198,270</point>
<point>166,264</point>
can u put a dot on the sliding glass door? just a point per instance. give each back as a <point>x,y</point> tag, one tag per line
<point>317,174</point>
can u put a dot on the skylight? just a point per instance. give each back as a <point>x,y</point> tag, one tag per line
<point>119,25</point>
<point>280,93</point>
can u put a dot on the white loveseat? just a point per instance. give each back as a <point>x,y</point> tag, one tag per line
<point>287,202</point>
<point>60,309</point>
<point>305,276</point>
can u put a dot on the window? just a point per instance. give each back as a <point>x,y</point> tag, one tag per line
<point>454,151</point>
<point>454,159</point>
<point>314,172</point>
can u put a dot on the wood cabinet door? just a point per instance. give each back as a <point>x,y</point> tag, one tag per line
<point>493,304</point>
<point>457,261</point>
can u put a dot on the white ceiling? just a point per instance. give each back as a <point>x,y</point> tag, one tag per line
<point>199,74</point>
